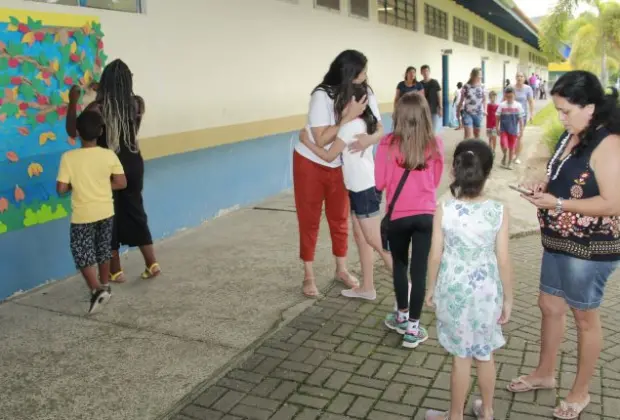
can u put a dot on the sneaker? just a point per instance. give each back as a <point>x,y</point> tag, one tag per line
<point>412,340</point>
<point>504,159</point>
<point>107,288</point>
<point>517,161</point>
<point>391,321</point>
<point>100,297</point>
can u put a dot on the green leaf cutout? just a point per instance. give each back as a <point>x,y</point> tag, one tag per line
<point>4,63</point>
<point>27,92</point>
<point>9,109</point>
<point>43,60</point>
<point>51,117</point>
<point>14,21</point>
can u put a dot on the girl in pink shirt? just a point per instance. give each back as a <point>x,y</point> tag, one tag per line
<point>413,151</point>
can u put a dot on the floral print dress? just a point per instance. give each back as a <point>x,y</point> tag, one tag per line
<point>468,294</point>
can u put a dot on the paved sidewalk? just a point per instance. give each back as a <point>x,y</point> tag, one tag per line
<point>337,361</point>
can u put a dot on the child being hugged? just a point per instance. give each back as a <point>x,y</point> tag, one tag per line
<point>91,173</point>
<point>358,170</point>
<point>409,168</point>
<point>470,279</point>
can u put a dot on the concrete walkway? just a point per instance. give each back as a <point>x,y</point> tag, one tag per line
<point>226,286</point>
<point>337,361</point>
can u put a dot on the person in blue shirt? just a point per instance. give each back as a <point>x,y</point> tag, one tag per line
<point>410,84</point>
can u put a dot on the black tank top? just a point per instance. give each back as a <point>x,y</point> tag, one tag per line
<point>584,237</point>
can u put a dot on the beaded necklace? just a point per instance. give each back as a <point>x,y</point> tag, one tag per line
<point>556,156</point>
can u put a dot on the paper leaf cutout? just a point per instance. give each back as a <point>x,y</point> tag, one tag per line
<point>28,38</point>
<point>2,118</point>
<point>4,204</point>
<point>12,157</point>
<point>19,194</point>
<point>44,137</point>
<point>73,48</point>
<point>35,169</point>
<point>65,96</point>
<point>24,131</point>
<point>55,65</point>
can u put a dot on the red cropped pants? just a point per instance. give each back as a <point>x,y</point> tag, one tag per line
<point>314,183</point>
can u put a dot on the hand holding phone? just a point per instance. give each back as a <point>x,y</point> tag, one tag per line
<point>521,189</point>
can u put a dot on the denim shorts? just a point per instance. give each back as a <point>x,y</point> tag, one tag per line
<point>472,120</point>
<point>580,282</point>
<point>366,203</point>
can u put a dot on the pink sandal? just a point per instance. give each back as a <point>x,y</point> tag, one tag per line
<point>347,279</point>
<point>568,411</point>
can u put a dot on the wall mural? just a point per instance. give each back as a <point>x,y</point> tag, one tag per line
<point>41,56</point>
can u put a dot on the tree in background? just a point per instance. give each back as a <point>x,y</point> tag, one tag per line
<point>594,37</point>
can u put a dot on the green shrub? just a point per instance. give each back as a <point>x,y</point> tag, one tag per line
<point>547,113</point>
<point>553,129</point>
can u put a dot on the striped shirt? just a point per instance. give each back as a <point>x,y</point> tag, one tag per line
<point>509,115</point>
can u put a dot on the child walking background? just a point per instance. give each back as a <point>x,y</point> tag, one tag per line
<point>358,170</point>
<point>91,173</point>
<point>510,116</point>
<point>470,280</point>
<point>414,152</point>
<point>492,120</point>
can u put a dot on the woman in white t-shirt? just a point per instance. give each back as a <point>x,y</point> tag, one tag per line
<point>358,170</point>
<point>316,181</point>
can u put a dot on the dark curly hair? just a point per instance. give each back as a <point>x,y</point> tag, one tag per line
<point>471,166</point>
<point>583,88</point>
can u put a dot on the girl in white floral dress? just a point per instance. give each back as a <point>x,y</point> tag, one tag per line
<point>470,279</point>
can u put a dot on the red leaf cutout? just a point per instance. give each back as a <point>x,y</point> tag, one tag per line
<point>23,131</point>
<point>12,156</point>
<point>19,194</point>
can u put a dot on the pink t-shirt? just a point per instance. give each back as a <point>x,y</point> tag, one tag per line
<point>419,194</point>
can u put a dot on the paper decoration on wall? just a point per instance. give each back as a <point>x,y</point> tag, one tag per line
<point>41,56</point>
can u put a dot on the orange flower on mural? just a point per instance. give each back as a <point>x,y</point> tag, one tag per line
<point>4,204</point>
<point>24,131</point>
<point>19,194</point>
<point>12,157</point>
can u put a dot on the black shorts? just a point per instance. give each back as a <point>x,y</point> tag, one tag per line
<point>366,203</point>
<point>91,243</point>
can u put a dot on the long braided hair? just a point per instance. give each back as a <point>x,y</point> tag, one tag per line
<point>118,107</point>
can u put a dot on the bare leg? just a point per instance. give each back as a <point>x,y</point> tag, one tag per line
<point>104,273</point>
<point>467,133</point>
<point>486,382</point>
<point>342,273</point>
<point>366,257</point>
<point>115,263</point>
<point>553,310</point>
<point>459,386</point>
<point>477,133</point>
<point>590,341</point>
<point>148,252</point>
<point>90,275</point>
<point>371,229</point>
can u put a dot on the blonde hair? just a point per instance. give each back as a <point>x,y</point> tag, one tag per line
<point>475,72</point>
<point>413,131</point>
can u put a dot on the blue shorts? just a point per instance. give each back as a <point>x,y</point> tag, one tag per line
<point>472,120</point>
<point>580,282</point>
<point>366,203</point>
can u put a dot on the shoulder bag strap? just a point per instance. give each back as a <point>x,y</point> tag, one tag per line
<point>399,188</point>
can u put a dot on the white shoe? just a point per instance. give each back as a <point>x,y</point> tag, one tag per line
<point>356,294</point>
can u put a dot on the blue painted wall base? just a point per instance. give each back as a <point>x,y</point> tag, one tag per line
<point>192,187</point>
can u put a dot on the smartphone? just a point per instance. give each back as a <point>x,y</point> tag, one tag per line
<point>521,189</point>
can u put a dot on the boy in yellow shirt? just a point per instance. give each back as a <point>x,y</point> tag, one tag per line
<point>91,173</point>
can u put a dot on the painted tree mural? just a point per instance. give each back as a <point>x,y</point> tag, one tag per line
<point>38,66</point>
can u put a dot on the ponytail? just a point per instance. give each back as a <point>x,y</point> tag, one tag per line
<point>472,164</point>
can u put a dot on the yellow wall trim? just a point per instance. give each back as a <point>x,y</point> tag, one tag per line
<point>565,66</point>
<point>48,19</point>
<point>172,144</point>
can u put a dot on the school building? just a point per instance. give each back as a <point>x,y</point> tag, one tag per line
<point>227,84</point>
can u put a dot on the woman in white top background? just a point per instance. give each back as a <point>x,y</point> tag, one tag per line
<point>316,181</point>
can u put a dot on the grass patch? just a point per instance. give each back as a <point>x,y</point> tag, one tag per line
<point>544,115</point>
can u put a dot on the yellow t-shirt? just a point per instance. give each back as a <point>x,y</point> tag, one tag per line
<point>88,170</point>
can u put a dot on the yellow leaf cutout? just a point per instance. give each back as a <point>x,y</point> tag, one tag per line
<point>12,28</point>
<point>35,169</point>
<point>20,114</point>
<point>87,77</point>
<point>44,137</point>
<point>28,38</point>
<point>73,47</point>
<point>65,96</point>
<point>55,65</point>
<point>15,90</point>
<point>87,29</point>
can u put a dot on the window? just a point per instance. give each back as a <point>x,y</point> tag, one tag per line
<point>359,8</point>
<point>328,4</point>
<point>435,22</point>
<point>478,37</point>
<point>401,13</point>
<point>501,46</point>
<point>132,6</point>
<point>516,51</point>
<point>509,49</point>
<point>491,41</point>
<point>460,32</point>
